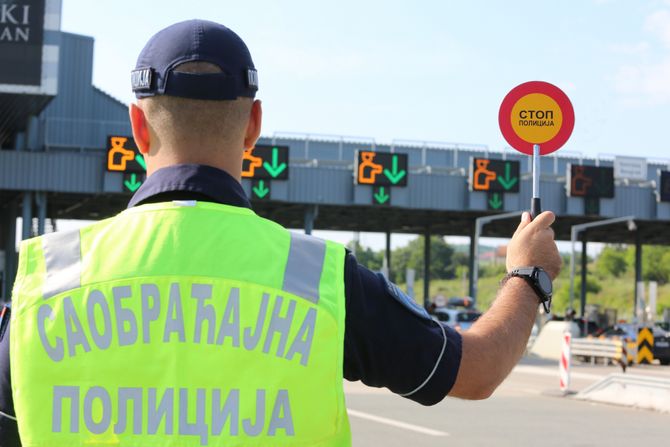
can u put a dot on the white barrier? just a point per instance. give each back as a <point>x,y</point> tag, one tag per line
<point>549,341</point>
<point>564,363</point>
<point>651,393</point>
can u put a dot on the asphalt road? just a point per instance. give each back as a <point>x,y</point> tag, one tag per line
<point>526,410</point>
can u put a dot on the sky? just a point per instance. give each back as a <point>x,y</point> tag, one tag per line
<point>423,70</point>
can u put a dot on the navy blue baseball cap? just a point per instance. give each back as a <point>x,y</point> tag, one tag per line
<point>193,41</point>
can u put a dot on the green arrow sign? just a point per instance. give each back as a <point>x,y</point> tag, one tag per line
<point>381,195</point>
<point>276,168</point>
<point>508,181</point>
<point>140,161</point>
<point>395,175</point>
<point>495,201</point>
<point>261,190</point>
<point>132,183</point>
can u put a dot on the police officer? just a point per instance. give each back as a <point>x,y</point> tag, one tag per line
<point>188,320</point>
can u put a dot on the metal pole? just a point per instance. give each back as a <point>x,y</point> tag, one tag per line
<point>479,225</point>
<point>573,238</point>
<point>574,232</point>
<point>473,254</point>
<point>388,253</point>
<point>41,200</point>
<point>27,215</point>
<point>638,271</point>
<point>426,269</point>
<point>582,300</point>
<point>536,171</point>
<point>535,204</point>
<point>311,213</point>
<point>475,260</point>
<point>10,248</point>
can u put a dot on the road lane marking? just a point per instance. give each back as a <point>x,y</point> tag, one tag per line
<point>537,370</point>
<point>398,424</point>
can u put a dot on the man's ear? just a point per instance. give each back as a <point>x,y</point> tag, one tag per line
<point>254,125</point>
<point>138,122</point>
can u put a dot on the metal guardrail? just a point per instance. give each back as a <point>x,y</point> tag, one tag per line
<point>592,349</point>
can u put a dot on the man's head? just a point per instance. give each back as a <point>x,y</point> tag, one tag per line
<point>195,83</point>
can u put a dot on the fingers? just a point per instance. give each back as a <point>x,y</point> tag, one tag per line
<point>542,221</point>
<point>525,220</point>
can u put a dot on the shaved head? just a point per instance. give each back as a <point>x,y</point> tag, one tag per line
<point>197,125</point>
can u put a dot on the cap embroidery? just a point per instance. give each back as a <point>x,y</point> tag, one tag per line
<point>141,78</point>
<point>252,78</point>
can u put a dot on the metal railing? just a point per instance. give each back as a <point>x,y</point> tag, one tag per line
<point>80,134</point>
<point>592,349</point>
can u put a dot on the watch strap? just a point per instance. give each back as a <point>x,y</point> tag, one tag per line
<point>528,273</point>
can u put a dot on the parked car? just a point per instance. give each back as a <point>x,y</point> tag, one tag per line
<point>591,327</point>
<point>461,301</point>
<point>457,318</point>
<point>661,349</point>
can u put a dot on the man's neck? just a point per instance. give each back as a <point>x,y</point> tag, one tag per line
<point>226,162</point>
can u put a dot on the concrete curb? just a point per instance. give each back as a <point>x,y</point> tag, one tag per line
<point>650,393</point>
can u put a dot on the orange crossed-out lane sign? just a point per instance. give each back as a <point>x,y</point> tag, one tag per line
<point>368,170</point>
<point>254,163</point>
<point>482,177</point>
<point>118,155</point>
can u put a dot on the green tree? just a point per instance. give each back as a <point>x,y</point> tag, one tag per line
<point>366,256</point>
<point>655,264</point>
<point>411,256</point>
<point>611,262</point>
<point>561,298</point>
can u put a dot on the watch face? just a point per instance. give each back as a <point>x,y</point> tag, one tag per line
<point>544,281</point>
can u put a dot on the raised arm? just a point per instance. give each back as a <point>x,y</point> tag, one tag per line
<point>496,342</point>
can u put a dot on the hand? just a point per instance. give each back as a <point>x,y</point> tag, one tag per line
<point>533,245</point>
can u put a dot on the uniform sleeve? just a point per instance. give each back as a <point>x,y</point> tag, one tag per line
<point>9,436</point>
<point>391,342</point>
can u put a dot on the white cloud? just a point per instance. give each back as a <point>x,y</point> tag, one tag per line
<point>640,81</point>
<point>658,23</point>
<point>644,84</point>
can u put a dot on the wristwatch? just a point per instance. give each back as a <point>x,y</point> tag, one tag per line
<point>539,280</point>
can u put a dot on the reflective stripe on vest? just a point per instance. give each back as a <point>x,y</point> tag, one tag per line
<point>227,332</point>
<point>62,257</point>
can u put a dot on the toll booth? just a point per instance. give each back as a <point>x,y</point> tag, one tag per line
<point>47,104</point>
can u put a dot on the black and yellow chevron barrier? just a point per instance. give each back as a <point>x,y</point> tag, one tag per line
<point>645,346</point>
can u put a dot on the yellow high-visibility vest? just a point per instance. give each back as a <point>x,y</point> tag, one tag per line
<point>179,324</point>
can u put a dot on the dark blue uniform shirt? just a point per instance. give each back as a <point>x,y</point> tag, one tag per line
<point>389,341</point>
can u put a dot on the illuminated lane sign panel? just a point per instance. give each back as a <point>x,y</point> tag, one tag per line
<point>265,162</point>
<point>591,181</point>
<point>381,195</point>
<point>495,175</point>
<point>123,156</point>
<point>664,183</point>
<point>21,39</point>
<point>381,169</point>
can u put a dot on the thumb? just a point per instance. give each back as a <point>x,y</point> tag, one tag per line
<point>525,220</point>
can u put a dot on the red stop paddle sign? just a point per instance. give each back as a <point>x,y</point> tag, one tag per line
<point>536,112</point>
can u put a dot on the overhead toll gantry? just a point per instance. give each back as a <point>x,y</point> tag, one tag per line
<point>310,181</point>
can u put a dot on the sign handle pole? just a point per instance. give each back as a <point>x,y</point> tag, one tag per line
<point>535,205</point>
